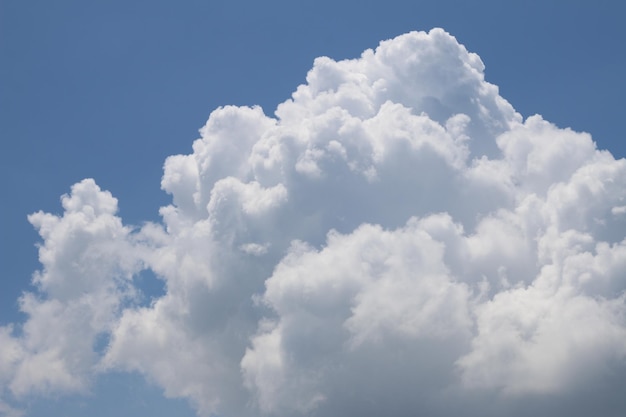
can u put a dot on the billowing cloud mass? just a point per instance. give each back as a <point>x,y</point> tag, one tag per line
<point>396,241</point>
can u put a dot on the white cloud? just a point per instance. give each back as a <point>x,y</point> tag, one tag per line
<point>88,261</point>
<point>396,241</point>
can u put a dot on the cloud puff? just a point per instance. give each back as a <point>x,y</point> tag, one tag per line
<point>88,262</point>
<point>397,240</point>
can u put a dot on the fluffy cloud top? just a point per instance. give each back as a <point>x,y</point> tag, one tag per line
<point>397,240</point>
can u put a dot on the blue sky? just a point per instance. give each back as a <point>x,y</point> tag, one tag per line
<point>108,90</point>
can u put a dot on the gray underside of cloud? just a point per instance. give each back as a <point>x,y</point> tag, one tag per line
<point>396,241</point>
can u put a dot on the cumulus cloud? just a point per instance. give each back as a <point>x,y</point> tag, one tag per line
<point>397,240</point>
